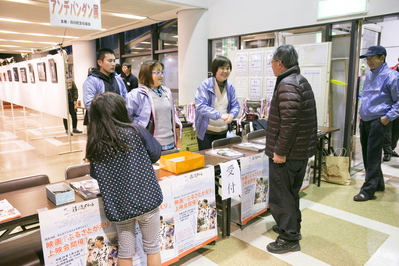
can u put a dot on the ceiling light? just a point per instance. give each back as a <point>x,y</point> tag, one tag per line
<point>8,45</point>
<point>127,16</point>
<point>37,34</point>
<point>23,21</point>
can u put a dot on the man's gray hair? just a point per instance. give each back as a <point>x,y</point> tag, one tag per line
<point>287,55</point>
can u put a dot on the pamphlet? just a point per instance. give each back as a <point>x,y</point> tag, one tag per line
<point>7,211</point>
<point>87,189</point>
<point>251,146</point>
<point>260,141</point>
<point>225,153</point>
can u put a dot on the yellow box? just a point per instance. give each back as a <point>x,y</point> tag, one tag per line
<point>181,162</point>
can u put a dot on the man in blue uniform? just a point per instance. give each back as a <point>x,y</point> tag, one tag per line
<point>380,106</point>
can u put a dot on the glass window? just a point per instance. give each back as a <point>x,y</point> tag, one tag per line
<point>170,61</point>
<point>136,63</point>
<point>168,35</point>
<point>111,42</point>
<point>221,46</point>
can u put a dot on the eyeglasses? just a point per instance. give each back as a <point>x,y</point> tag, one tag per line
<point>158,73</point>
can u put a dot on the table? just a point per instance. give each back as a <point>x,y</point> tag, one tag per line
<point>323,136</point>
<point>28,201</point>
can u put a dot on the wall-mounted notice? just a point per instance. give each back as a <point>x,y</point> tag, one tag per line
<point>270,83</point>
<point>256,63</point>
<point>255,90</point>
<point>268,62</point>
<point>313,75</point>
<point>242,64</point>
<point>313,54</point>
<point>241,87</point>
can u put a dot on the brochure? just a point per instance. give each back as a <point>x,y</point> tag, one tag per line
<point>225,153</point>
<point>7,211</point>
<point>251,146</point>
<point>87,189</point>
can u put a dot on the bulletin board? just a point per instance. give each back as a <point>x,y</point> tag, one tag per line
<point>38,84</point>
<point>253,76</point>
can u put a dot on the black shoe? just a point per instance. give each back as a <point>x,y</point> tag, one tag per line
<point>386,158</point>
<point>75,130</point>
<point>394,154</point>
<point>278,231</point>
<point>362,197</point>
<point>66,131</point>
<point>281,246</point>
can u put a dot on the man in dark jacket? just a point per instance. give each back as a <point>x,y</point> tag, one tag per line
<point>130,80</point>
<point>291,139</point>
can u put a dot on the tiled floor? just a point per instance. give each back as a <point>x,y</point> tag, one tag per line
<point>336,230</point>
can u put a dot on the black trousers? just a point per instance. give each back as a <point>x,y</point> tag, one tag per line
<point>72,112</point>
<point>372,143</point>
<point>285,181</point>
<point>208,139</point>
<point>391,137</point>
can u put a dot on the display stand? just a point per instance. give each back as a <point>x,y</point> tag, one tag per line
<point>65,65</point>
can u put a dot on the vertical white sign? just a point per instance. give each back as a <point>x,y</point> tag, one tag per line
<point>231,179</point>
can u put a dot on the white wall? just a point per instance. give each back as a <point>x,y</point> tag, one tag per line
<point>233,17</point>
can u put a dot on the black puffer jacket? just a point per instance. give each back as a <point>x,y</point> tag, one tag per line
<point>292,124</point>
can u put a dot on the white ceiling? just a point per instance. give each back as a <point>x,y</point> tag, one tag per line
<point>16,38</point>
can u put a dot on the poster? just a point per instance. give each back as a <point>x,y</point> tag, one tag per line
<point>195,209</point>
<point>255,88</point>
<point>242,64</point>
<point>241,87</point>
<point>255,186</point>
<point>167,239</point>
<point>270,83</point>
<point>256,63</point>
<point>80,234</point>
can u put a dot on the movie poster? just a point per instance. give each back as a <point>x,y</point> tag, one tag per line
<point>255,186</point>
<point>195,209</point>
<point>167,239</point>
<point>80,234</point>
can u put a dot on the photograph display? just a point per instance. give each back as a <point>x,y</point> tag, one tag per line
<point>31,73</point>
<point>9,75</point>
<point>41,71</point>
<point>23,75</point>
<point>53,70</point>
<point>15,71</point>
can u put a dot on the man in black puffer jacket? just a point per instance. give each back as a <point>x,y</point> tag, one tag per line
<point>291,139</point>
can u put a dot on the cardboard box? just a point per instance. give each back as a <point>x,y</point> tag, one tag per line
<point>60,193</point>
<point>181,162</point>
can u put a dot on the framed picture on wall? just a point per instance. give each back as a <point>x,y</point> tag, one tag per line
<point>16,75</point>
<point>53,70</point>
<point>4,76</point>
<point>9,75</point>
<point>41,71</point>
<point>31,73</point>
<point>1,76</point>
<point>23,75</point>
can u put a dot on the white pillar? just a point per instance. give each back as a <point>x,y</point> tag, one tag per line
<point>193,52</point>
<point>84,56</point>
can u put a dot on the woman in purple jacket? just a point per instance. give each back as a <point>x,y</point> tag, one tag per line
<point>216,104</point>
<point>151,105</point>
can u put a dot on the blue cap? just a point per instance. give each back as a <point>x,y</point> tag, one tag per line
<point>373,50</point>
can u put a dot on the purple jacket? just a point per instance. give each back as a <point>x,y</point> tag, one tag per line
<point>140,106</point>
<point>204,101</point>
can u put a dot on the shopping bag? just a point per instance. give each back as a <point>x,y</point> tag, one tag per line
<point>336,168</point>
